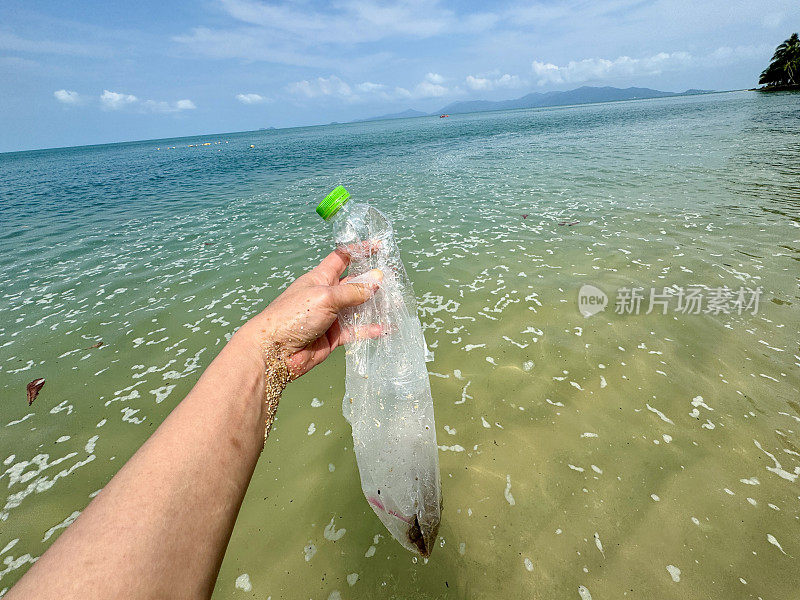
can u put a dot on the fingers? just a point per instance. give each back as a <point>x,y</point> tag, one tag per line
<point>351,294</point>
<point>365,332</point>
<point>333,265</point>
<point>355,293</point>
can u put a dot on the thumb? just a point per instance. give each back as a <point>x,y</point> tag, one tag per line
<point>357,291</point>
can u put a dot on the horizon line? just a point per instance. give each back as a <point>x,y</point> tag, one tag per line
<point>376,120</point>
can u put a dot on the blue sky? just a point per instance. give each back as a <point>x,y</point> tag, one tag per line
<point>74,73</point>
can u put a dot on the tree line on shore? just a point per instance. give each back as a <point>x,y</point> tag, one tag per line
<point>783,71</point>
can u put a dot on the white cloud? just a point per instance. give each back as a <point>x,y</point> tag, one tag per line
<point>334,87</point>
<point>592,69</point>
<point>478,83</point>
<point>489,83</point>
<point>426,89</point>
<point>321,86</point>
<point>251,98</point>
<point>167,107</point>
<point>116,101</point>
<point>545,70</point>
<point>67,96</point>
<point>430,87</point>
<point>434,78</point>
<point>363,20</point>
<point>299,33</point>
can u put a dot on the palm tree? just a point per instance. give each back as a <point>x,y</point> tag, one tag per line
<point>784,70</point>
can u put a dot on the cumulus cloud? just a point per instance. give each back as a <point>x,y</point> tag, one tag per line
<point>592,69</point>
<point>489,83</point>
<point>251,98</point>
<point>430,87</point>
<point>321,86</point>
<point>601,68</point>
<point>67,96</point>
<point>434,78</point>
<point>426,89</point>
<point>168,107</point>
<point>115,101</point>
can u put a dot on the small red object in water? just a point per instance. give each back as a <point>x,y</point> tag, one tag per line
<point>443,116</point>
<point>97,345</point>
<point>33,389</point>
<point>564,223</point>
<point>573,223</point>
<point>524,216</point>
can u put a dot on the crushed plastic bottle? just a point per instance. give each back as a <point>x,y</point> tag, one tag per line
<point>387,392</point>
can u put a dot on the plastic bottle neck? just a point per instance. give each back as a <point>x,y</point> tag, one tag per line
<point>341,214</point>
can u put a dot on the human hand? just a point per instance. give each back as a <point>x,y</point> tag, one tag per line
<point>302,321</point>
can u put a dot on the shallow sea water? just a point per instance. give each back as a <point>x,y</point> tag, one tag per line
<point>642,456</point>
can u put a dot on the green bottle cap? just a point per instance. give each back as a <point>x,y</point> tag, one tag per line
<point>333,202</point>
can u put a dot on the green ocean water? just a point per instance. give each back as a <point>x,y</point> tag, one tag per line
<point>619,455</point>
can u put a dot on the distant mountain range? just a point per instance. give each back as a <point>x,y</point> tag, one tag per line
<point>581,95</point>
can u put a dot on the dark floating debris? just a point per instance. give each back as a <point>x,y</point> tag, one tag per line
<point>573,223</point>
<point>97,345</point>
<point>207,243</point>
<point>34,387</point>
<point>524,216</point>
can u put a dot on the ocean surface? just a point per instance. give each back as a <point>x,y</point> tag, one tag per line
<point>616,455</point>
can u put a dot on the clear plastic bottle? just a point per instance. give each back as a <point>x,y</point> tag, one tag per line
<point>387,393</point>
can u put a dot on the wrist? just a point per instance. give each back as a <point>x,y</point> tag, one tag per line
<point>250,343</point>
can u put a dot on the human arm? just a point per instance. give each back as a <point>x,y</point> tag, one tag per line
<point>160,527</point>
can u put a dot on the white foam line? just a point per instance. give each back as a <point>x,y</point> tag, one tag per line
<point>507,492</point>
<point>661,415</point>
<point>17,422</point>
<point>771,539</point>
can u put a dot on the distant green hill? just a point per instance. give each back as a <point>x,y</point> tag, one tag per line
<point>581,95</point>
